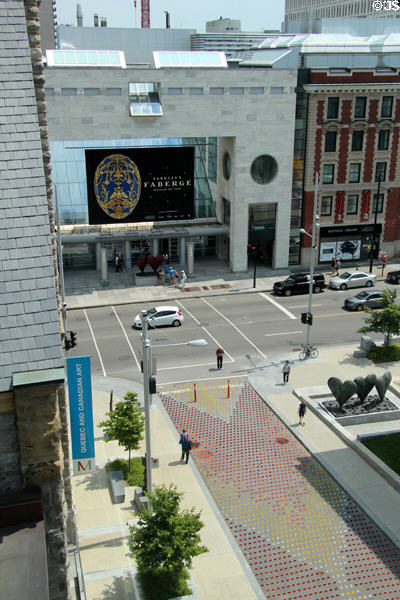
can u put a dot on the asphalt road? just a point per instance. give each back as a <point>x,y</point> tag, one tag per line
<point>251,328</point>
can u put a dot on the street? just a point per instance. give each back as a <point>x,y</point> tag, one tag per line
<point>251,327</point>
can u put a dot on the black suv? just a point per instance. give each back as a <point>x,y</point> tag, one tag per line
<point>299,283</point>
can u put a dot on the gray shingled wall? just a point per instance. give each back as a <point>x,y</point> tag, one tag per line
<point>29,323</point>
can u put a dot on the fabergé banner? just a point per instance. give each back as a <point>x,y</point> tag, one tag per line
<point>81,414</point>
<point>131,185</point>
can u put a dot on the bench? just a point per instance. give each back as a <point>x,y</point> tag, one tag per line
<point>117,486</point>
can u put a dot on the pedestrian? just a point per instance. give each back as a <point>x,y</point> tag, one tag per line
<point>182,278</point>
<point>337,267</point>
<point>302,411</point>
<point>166,274</point>
<point>171,276</point>
<point>286,371</point>
<point>384,259</point>
<point>186,445</point>
<point>159,276</point>
<point>118,264</point>
<point>220,356</point>
<point>164,260</point>
<point>176,278</point>
<point>333,265</point>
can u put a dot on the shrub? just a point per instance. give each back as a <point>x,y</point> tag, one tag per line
<point>162,584</point>
<point>384,353</point>
<point>134,476</point>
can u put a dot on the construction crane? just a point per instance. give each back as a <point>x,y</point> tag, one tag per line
<point>145,14</point>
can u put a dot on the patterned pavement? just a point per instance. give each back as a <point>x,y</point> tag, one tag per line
<point>301,534</point>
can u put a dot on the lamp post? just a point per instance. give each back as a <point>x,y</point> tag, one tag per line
<point>146,385</point>
<point>312,260</point>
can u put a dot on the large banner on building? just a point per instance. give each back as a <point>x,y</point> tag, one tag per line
<point>81,413</point>
<point>131,185</point>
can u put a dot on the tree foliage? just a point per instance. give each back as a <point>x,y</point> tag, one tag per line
<point>166,537</point>
<point>387,320</point>
<point>125,423</point>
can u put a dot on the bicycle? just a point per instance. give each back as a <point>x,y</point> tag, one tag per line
<point>309,351</point>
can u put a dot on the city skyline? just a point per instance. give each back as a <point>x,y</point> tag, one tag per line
<point>183,15</point>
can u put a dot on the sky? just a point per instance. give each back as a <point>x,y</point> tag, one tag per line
<point>255,15</point>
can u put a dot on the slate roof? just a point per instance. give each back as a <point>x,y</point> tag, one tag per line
<point>29,323</point>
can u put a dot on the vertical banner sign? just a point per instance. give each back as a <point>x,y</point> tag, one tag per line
<point>81,414</point>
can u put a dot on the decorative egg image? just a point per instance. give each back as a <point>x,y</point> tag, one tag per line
<point>117,185</point>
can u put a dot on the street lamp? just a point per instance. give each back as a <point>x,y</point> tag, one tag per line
<point>146,385</point>
<point>312,260</point>
<point>371,256</point>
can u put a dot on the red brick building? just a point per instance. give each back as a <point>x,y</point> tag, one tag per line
<point>352,142</point>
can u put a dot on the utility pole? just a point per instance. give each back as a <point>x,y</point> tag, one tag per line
<point>146,380</point>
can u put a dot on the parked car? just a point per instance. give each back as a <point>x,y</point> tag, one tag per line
<point>393,277</point>
<point>299,283</point>
<point>371,298</point>
<point>160,316</point>
<point>350,280</point>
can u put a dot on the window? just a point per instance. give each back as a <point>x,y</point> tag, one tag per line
<point>49,91</point>
<point>377,204</point>
<point>174,91</point>
<point>226,166</point>
<point>212,158</point>
<point>91,91</point>
<point>256,90</point>
<point>383,139</point>
<point>333,108</point>
<point>387,106</point>
<point>144,100</point>
<point>114,92</point>
<point>195,91</point>
<point>357,141</point>
<point>354,172</point>
<point>330,141</point>
<point>237,91</point>
<point>352,205</point>
<point>69,91</point>
<point>263,169</point>
<point>326,206</point>
<point>360,107</point>
<point>328,174</point>
<point>380,171</point>
<point>217,91</point>
<point>277,90</point>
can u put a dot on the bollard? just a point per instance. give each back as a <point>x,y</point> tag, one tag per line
<point>195,394</point>
<point>229,390</point>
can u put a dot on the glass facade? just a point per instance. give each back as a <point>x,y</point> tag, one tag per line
<point>69,174</point>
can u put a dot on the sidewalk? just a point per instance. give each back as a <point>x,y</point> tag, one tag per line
<point>83,288</point>
<point>221,574</point>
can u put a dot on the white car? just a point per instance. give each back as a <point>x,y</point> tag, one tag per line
<point>352,280</point>
<point>160,316</point>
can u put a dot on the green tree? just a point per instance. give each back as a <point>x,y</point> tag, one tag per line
<point>387,320</point>
<point>125,424</point>
<point>166,537</point>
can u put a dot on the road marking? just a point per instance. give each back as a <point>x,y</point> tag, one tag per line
<point>203,379</point>
<point>283,333</point>
<point>305,305</point>
<point>127,339</point>
<point>275,303</point>
<point>343,314</point>
<point>205,329</point>
<point>190,366</point>
<point>234,326</point>
<point>94,340</point>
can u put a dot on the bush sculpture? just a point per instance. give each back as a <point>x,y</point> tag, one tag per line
<point>362,386</point>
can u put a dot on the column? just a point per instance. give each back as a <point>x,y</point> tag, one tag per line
<point>182,251</point>
<point>190,256</point>
<point>154,247</point>
<point>103,275</point>
<point>98,254</point>
<point>127,254</point>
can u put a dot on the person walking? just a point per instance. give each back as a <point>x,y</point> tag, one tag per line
<point>186,445</point>
<point>286,371</point>
<point>337,267</point>
<point>383,260</point>
<point>302,411</point>
<point>166,274</point>
<point>220,356</point>
<point>333,265</point>
<point>172,276</point>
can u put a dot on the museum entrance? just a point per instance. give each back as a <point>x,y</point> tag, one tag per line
<point>262,230</point>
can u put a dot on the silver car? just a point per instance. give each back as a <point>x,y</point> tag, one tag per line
<point>370,298</point>
<point>352,280</point>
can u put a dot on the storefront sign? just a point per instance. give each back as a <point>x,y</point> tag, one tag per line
<point>131,185</point>
<point>81,414</point>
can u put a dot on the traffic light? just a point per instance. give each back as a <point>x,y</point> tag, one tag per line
<point>252,249</point>
<point>67,342</point>
<point>309,319</point>
<point>73,336</point>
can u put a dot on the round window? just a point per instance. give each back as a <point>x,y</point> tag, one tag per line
<point>264,169</point>
<point>226,166</point>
